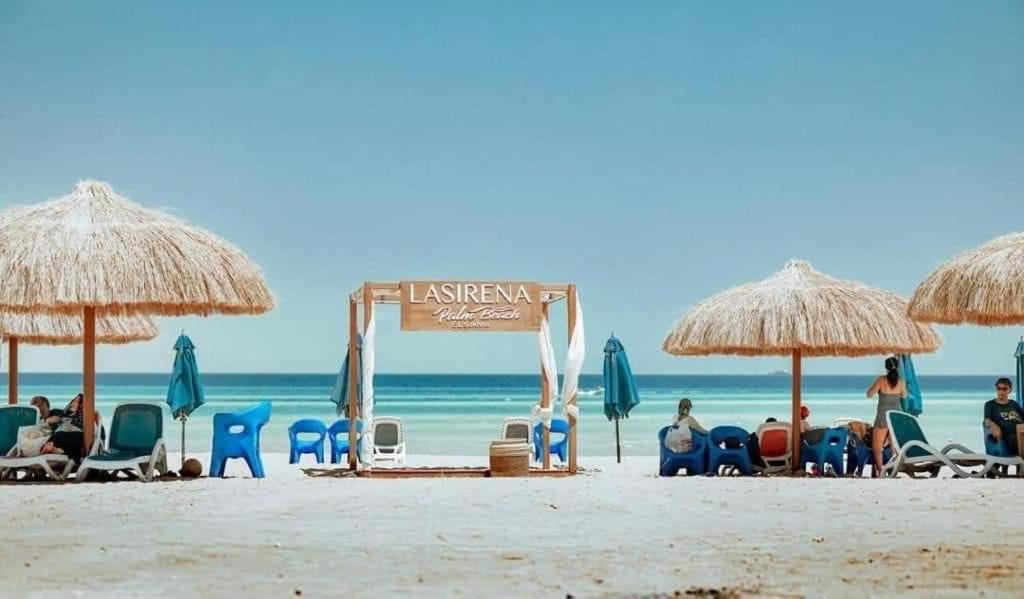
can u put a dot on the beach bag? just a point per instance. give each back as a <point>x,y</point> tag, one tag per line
<point>679,439</point>
<point>31,440</point>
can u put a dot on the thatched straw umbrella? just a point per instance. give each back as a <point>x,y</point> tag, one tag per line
<point>981,286</point>
<point>95,251</point>
<point>66,329</point>
<point>800,312</point>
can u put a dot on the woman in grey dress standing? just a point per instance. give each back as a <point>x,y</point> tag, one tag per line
<point>891,389</point>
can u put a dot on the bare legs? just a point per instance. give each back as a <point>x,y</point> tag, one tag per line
<point>878,439</point>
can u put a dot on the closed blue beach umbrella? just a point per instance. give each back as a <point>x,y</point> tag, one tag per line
<point>620,394</point>
<point>339,393</point>
<point>914,403</point>
<point>185,392</point>
<point>1019,354</point>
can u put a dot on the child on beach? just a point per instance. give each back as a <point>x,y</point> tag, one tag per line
<point>680,438</point>
<point>1002,415</point>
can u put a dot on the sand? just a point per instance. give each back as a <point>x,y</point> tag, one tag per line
<point>619,531</point>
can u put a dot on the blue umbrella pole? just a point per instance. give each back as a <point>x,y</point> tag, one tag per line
<point>183,418</point>
<point>618,444</point>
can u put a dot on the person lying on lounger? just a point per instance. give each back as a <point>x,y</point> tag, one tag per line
<point>68,437</point>
<point>1002,415</point>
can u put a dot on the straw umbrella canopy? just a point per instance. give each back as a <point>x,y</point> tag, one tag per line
<point>66,329</point>
<point>800,312</point>
<point>94,251</point>
<point>982,286</point>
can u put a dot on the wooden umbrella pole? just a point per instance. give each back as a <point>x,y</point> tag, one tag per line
<point>352,382</point>
<point>89,375</point>
<point>795,449</point>
<point>12,370</point>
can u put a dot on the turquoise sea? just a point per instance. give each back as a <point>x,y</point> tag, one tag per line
<point>459,414</point>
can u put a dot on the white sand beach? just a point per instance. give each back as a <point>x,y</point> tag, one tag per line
<point>618,530</point>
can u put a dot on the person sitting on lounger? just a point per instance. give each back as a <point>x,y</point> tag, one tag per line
<point>680,437</point>
<point>68,438</point>
<point>1002,415</point>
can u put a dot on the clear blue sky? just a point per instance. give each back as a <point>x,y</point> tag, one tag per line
<point>654,153</point>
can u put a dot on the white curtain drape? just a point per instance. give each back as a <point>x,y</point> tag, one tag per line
<point>366,407</point>
<point>549,371</point>
<point>574,364</point>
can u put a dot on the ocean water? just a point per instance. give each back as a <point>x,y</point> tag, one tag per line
<point>460,414</point>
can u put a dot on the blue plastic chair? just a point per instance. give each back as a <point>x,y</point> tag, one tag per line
<point>727,446</point>
<point>298,446</point>
<point>338,436</point>
<point>243,444</point>
<point>694,461</point>
<point>560,447</point>
<point>996,447</point>
<point>828,450</point>
<point>859,456</point>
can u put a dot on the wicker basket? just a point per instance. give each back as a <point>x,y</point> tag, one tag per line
<point>510,458</point>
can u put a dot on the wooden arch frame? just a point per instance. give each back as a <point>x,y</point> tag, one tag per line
<point>371,293</point>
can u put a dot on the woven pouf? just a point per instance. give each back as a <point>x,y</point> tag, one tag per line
<point>510,458</point>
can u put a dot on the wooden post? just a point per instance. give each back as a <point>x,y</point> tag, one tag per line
<point>367,314</point>
<point>89,375</point>
<point>545,403</point>
<point>353,381</point>
<point>12,370</point>
<point>570,299</point>
<point>795,449</point>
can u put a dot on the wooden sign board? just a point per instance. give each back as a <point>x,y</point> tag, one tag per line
<point>470,306</point>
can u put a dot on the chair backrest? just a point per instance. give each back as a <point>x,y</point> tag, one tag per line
<point>559,426</point>
<point>11,419</point>
<point>721,434</point>
<point>516,428</point>
<point>253,418</point>
<point>307,425</point>
<point>774,439</point>
<point>905,428</point>
<point>387,431</point>
<point>697,441</point>
<point>856,426</point>
<point>341,427</point>
<point>136,428</point>
<point>836,435</point>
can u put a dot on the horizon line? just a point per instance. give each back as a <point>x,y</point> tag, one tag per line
<point>311,373</point>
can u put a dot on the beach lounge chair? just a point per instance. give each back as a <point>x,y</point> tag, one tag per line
<point>11,419</point>
<point>388,440</point>
<point>337,434</point>
<point>517,427</point>
<point>557,446</point>
<point>915,456</point>
<point>237,435</point>
<point>828,449</point>
<point>774,439</point>
<point>727,446</point>
<point>694,461</point>
<point>299,446</point>
<point>56,466</point>
<point>136,444</point>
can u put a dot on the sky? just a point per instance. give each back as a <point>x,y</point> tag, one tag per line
<point>652,153</point>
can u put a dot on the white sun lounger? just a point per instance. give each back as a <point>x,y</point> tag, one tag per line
<point>915,456</point>
<point>388,440</point>
<point>56,466</point>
